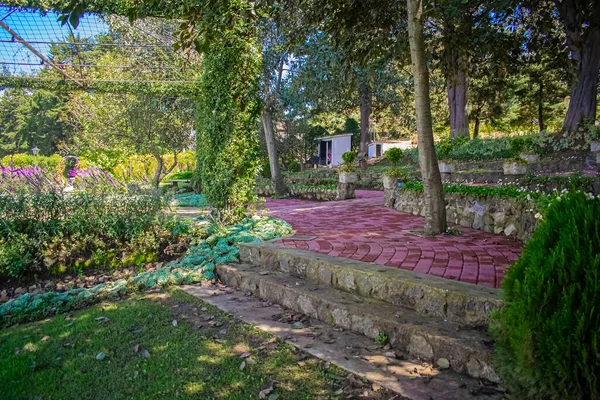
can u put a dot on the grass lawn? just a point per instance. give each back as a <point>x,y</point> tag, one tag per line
<point>147,355</point>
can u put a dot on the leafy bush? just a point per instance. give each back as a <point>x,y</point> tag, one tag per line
<point>446,144</point>
<point>217,244</point>
<point>54,231</point>
<point>349,157</point>
<point>265,171</point>
<point>548,333</point>
<point>294,166</point>
<point>394,155</point>
<point>141,167</point>
<point>179,175</point>
<point>542,200</point>
<point>482,149</point>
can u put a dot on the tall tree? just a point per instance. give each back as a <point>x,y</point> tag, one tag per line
<point>274,58</point>
<point>581,22</point>
<point>435,215</point>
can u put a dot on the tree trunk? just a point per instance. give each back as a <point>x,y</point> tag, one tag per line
<point>366,97</point>
<point>457,85</point>
<point>477,122</point>
<point>541,123</point>
<point>585,51</point>
<point>158,172</point>
<point>276,178</point>
<point>435,209</point>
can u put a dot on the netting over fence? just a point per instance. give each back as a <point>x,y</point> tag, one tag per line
<point>103,53</point>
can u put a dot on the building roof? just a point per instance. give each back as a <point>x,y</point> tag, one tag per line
<point>334,136</point>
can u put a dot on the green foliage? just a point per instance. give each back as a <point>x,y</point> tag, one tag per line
<point>294,166</point>
<point>32,119</point>
<point>548,331</point>
<point>394,155</point>
<point>481,149</point>
<point>382,338</point>
<point>522,145</point>
<point>180,175</point>
<point>216,244</point>
<point>401,174</point>
<point>228,159</point>
<point>53,230</point>
<point>349,157</point>
<point>446,144</point>
<point>542,200</point>
<point>54,163</point>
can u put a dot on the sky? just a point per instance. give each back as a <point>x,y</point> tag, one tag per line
<point>35,27</point>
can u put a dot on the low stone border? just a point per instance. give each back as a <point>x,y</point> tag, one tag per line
<point>506,216</point>
<point>302,192</point>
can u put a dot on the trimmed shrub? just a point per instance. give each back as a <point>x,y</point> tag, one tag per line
<point>394,155</point>
<point>548,333</point>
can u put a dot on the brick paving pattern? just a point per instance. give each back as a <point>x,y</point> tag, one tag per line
<point>363,229</point>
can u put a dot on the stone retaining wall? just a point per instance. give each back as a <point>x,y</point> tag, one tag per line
<point>507,216</point>
<point>306,193</point>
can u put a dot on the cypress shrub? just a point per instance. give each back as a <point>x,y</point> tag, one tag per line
<point>548,333</point>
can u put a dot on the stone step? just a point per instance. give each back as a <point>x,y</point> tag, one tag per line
<point>423,337</point>
<point>459,302</point>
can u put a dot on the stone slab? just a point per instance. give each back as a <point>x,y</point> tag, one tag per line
<point>353,352</point>
<point>429,295</point>
<point>422,337</point>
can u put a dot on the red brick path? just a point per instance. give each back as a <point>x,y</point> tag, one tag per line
<point>363,229</point>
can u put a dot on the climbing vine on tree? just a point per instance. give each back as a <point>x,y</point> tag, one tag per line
<point>226,124</point>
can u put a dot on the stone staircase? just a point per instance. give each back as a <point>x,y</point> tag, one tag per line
<point>425,317</point>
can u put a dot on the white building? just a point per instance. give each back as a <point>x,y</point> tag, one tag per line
<point>331,149</point>
<point>377,149</point>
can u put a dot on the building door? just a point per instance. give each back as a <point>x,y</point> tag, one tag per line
<point>377,150</point>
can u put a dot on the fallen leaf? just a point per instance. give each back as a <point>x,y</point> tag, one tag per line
<point>145,353</point>
<point>17,350</point>
<point>45,338</point>
<point>242,365</point>
<point>100,356</point>
<point>297,325</point>
<point>102,319</point>
<point>174,322</point>
<point>136,348</point>
<point>207,317</point>
<point>250,361</point>
<point>245,355</point>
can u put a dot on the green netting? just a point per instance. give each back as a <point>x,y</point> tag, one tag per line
<point>220,246</point>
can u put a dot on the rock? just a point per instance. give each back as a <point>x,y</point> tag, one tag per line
<point>443,363</point>
<point>3,296</point>
<point>145,353</point>
<point>510,230</point>
<point>20,291</point>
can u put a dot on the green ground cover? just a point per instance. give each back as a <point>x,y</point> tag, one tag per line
<point>61,357</point>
